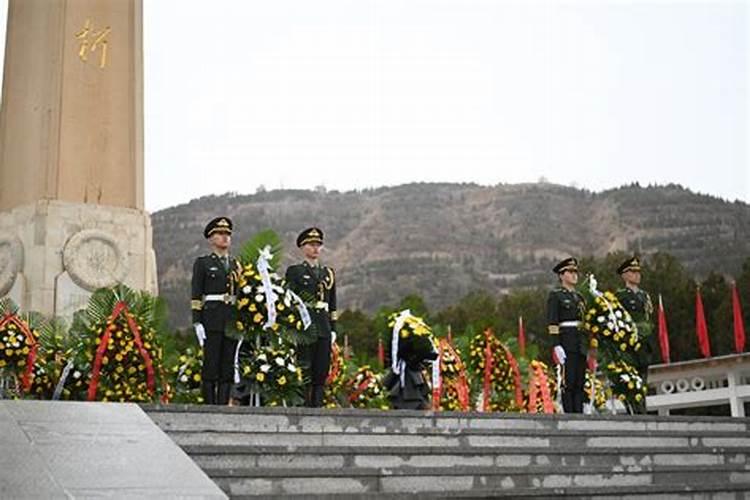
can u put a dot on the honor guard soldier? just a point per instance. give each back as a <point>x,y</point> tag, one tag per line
<point>316,285</point>
<point>565,310</point>
<point>213,297</point>
<point>638,303</point>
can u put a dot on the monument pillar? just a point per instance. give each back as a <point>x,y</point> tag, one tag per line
<point>72,215</point>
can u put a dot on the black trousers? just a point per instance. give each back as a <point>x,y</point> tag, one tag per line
<point>218,368</point>
<point>318,357</point>
<point>575,375</point>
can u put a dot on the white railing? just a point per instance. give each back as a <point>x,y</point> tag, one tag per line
<point>700,383</point>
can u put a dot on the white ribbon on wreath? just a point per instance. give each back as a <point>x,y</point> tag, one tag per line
<point>264,268</point>
<point>398,365</point>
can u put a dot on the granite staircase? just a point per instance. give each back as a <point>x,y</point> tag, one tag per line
<point>252,452</point>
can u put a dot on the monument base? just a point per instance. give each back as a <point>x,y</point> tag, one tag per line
<point>54,254</point>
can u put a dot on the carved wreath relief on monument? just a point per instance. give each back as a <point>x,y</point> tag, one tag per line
<point>11,260</point>
<point>94,259</point>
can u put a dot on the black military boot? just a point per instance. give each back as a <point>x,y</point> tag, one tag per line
<point>316,397</point>
<point>223,393</point>
<point>209,392</point>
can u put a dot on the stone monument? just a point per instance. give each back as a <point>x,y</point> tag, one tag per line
<point>72,216</point>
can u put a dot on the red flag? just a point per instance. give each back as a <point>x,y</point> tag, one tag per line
<point>701,330</point>
<point>381,353</point>
<point>739,325</point>
<point>521,337</point>
<point>663,334</point>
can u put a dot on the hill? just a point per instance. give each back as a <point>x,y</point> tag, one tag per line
<point>444,240</point>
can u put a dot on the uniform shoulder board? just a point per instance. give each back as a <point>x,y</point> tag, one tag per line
<point>330,278</point>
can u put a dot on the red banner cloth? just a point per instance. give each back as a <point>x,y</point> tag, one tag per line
<point>739,324</point>
<point>701,330</point>
<point>663,334</point>
<point>516,377</point>
<point>381,353</point>
<point>521,337</point>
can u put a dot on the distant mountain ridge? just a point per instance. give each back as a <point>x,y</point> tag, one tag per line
<point>444,240</point>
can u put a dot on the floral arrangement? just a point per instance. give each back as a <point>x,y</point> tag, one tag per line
<point>365,390</point>
<point>611,326</point>
<point>19,342</point>
<point>185,376</point>
<point>414,338</point>
<point>491,372</point>
<point>272,372</point>
<point>625,383</point>
<point>253,312</point>
<point>600,394</point>
<point>265,307</point>
<point>53,363</point>
<point>454,394</point>
<point>542,389</point>
<point>117,355</point>
<point>334,388</point>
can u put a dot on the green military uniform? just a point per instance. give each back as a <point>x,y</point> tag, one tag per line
<point>316,285</point>
<point>565,311</point>
<point>638,303</point>
<point>212,303</point>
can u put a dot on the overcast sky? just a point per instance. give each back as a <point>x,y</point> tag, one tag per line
<point>364,93</point>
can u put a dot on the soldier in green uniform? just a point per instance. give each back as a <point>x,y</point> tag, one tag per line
<point>638,303</point>
<point>565,310</point>
<point>316,285</point>
<point>213,297</point>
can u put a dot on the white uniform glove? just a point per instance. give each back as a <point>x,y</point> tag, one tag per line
<point>333,337</point>
<point>560,354</point>
<point>200,333</point>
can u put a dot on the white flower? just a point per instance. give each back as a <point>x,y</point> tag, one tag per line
<point>259,298</point>
<point>610,325</point>
<point>291,368</point>
<point>280,361</point>
<point>600,319</point>
<point>618,313</point>
<point>76,374</point>
<point>265,368</point>
<point>184,378</point>
<point>247,289</point>
<point>262,357</point>
<point>625,377</point>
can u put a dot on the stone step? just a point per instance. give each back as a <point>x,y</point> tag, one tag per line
<point>349,453</point>
<point>237,457</point>
<point>507,439</point>
<point>245,419</point>
<point>650,492</point>
<point>260,481</point>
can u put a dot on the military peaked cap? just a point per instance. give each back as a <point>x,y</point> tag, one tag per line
<point>571,263</point>
<point>632,264</point>
<point>310,235</point>
<point>219,224</point>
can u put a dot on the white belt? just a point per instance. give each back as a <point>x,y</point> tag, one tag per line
<point>570,324</point>
<point>220,297</point>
